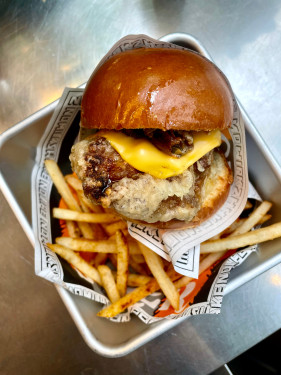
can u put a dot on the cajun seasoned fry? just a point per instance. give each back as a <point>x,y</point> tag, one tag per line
<point>64,214</point>
<point>133,297</point>
<point>81,244</point>
<point>108,283</point>
<point>122,263</point>
<point>129,299</point>
<point>156,267</point>
<point>77,261</point>
<point>246,239</point>
<point>253,219</point>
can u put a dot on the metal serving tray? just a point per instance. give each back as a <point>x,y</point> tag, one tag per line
<point>17,155</point>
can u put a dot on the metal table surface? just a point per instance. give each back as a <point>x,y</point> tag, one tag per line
<point>48,45</point>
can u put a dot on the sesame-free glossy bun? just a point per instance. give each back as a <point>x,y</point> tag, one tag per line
<point>157,88</point>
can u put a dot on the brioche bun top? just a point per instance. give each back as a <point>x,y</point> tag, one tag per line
<point>157,88</point>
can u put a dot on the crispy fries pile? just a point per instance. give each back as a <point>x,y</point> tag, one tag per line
<point>116,261</point>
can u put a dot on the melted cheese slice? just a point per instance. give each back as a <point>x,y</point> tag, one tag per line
<point>144,156</point>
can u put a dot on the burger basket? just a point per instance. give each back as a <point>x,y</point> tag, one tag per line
<point>103,336</point>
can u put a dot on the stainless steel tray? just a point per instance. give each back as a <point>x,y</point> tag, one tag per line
<point>17,154</point>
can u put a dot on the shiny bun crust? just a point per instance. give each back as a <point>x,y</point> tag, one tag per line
<point>157,88</point>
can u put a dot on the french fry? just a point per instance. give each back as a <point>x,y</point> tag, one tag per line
<point>132,243</point>
<point>86,230</point>
<point>126,233</point>
<point>156,267</point>
<point>138,267</point>
<point>253,219</point>
<point>97,231</point>
<point>108,283</point>
<point>133,297</point>
<point>112,228</point>
<point>133,246</point>
<point>205,263</point>
<point>77,261</point>
<point>122,263</point>
<point>135,280</point>
<point>265,218</point>
<point>65,214</point>
<point>61,185</point>
<point>138,258</point>
<point>248,205</point>
<point>96,224</point>
<point>72,229</point>
<point>238,223</point>
<point>66,194</point>
<point>93,207</point>
<point>74,182</point>
<point>230,229</point>
<point>113,259</point>
<point>129,299</point>
<point>83,205</point>
<point>81,244</point>
<point>100,259</point>
<point>138,280</point>
<point>94,229</point>
<point>241,226</point>
<point>245,239</point>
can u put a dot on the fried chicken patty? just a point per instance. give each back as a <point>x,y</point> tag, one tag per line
<point>109,180</point>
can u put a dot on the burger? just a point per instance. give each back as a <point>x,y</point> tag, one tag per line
<point>156,117</point>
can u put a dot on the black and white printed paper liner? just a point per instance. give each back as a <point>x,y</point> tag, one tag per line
<point>56,144</point>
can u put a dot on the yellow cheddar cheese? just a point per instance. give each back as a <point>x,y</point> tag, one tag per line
<point>145,157</point>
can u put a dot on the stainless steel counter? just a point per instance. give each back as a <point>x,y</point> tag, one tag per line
<point>48,45</point>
